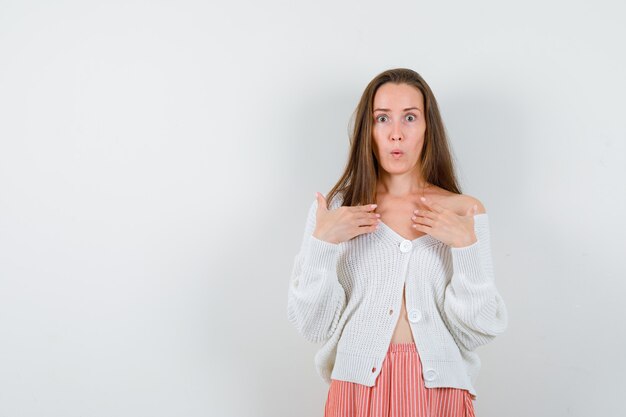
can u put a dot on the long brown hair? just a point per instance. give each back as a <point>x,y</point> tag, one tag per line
<point>358,182</point>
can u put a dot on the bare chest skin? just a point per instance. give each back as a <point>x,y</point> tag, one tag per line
<point>396,213</point>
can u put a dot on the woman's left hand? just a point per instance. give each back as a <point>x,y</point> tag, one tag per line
<point>445,225</point>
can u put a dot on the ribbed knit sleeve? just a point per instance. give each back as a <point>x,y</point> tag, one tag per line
<point>315,298</point>
<point>473,306</point>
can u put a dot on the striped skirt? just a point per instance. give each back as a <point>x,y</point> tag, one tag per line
<point>399,392</point>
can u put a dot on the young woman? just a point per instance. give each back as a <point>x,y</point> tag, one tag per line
<point>394,274</point>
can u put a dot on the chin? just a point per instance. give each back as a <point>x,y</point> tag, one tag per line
<point>396,170</point>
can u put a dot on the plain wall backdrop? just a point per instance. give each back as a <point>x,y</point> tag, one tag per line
<point>157,159</point>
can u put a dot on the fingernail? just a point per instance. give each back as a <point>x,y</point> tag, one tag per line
<point>423,198</point>
<point>374,205</point>
<point>415,211</point>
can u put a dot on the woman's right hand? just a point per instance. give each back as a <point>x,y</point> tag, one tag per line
<point>343,223</point>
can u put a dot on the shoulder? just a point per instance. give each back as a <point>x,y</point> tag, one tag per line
<point>461,203</point>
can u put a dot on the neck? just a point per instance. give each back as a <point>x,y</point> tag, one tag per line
<point>402,185</point>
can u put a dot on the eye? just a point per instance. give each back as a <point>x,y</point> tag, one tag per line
<point>411,117</point>
<point>382,116</point>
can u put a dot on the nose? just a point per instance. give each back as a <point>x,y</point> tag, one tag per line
<point>396,132</point>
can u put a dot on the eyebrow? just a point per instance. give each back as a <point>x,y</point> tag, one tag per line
<point>407,109</point>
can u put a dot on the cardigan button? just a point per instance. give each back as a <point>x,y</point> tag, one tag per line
<point>296,282</point>
<point>430,375</point>
<point>405,246</point>
<point>373,370</point>
<point>415,315</point>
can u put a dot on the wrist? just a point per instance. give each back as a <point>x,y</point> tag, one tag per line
<point>327,239</point>
<point>468,241</point>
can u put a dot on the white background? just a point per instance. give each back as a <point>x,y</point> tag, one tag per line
<point>157,159</point>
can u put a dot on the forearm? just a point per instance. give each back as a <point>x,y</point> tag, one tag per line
<point>473,306</point>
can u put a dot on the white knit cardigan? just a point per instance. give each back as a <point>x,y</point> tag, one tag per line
<point>348,296</point>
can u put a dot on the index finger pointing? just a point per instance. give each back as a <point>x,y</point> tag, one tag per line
<point>369,207</point>
<point>433,205</point>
